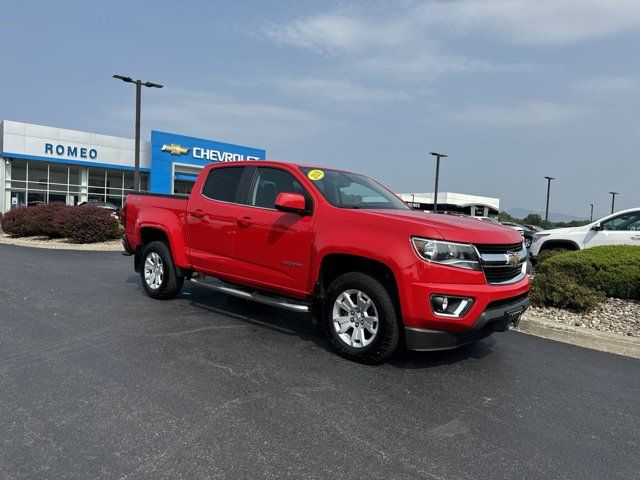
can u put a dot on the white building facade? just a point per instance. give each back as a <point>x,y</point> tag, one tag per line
<point>459,203</point>
<point>48,164</point>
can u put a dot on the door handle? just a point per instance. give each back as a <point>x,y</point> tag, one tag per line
<point>198,213</point>
<point>244,221</point>
<point>635,237</point>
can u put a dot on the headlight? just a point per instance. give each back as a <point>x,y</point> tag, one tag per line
<point>538,236</point>
<point>459,255</point>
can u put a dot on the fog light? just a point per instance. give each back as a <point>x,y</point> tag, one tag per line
<point>450,306</point>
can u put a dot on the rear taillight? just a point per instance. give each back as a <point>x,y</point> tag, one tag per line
<point>123,213</point>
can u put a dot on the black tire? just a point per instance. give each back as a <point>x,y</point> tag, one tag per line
<point>171,282</point>
<point>387,338</point>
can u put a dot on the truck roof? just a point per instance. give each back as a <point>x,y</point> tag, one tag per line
<point>291,164</point>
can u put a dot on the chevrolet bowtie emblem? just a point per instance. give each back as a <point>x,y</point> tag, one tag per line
<point>175,149</point>
<point>513,258</point>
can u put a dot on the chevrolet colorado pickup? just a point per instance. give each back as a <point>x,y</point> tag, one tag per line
<point>376,274</point>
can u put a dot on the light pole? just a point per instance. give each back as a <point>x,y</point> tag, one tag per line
<point>613,200</point>
<point>546,211</point>
<point>591,220</point>
<point>139,85</point>
<point>435,194</point>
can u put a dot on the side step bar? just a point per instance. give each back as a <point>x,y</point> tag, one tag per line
<point>253,295</point>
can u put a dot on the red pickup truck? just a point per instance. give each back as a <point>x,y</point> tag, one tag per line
<point>376,274</point>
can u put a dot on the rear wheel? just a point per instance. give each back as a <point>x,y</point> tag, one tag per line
<point>360,318</point>
<point>159,274</point>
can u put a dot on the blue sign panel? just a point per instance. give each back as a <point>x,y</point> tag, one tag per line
<point>170,152</point>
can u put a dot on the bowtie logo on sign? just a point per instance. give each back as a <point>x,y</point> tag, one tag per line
<point>175,149</point>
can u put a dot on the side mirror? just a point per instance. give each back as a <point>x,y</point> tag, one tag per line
<point>597,227</point>
<point>291,203</point>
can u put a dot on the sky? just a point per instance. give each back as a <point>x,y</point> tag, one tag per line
<point>511,90</point>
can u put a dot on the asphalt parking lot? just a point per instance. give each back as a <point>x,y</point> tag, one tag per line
<point>99,381</point>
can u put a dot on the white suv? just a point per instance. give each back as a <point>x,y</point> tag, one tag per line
<point>622,228</point>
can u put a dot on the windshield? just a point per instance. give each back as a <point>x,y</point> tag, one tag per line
<point>350,190</point>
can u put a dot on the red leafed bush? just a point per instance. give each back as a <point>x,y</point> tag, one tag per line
<point>18,222</point>
<point>86,224</point>
<point>43,217</point>
<point>33,221</point>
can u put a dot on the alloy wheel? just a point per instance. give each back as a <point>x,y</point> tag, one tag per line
<point>355,318</point>
<point>153,271</point>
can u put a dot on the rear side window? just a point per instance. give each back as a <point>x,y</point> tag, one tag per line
<point>223,183</point>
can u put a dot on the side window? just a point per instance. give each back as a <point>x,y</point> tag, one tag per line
<point>625,222</point>
<point>222,183</point>
<point>269,182</point>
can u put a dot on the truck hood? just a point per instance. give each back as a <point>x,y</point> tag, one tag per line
<point>450,227</point>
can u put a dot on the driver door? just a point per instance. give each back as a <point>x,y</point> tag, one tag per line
<point>623,229</point>
<point>274,247</point>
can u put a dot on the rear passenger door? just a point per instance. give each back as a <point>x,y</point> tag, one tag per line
<point>274,247</point>
<point>212,219</point>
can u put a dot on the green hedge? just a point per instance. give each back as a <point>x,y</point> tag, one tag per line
<point>558,290</point>
<point>613,270</point>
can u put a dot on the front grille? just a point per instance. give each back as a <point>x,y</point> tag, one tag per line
<point>500,274</point>
<point>489,248</point>
<point>495,262</point>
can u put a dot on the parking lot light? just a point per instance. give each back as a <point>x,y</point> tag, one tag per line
<point>613,201</point>
<point>139,85</point>
<point>546,211</point>
<point>435,193</point>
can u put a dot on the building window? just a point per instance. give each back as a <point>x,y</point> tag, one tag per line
<point>182,187</point>
<point>32,182</point>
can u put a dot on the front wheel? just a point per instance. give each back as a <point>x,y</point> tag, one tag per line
<point>360,318</point>
<point>159,274</point>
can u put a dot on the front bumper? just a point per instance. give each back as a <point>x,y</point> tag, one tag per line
<point>497,317</point>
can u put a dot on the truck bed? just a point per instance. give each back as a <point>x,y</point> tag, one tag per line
<point>156,210</point>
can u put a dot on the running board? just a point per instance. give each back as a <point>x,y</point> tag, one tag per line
<point>253,295</point>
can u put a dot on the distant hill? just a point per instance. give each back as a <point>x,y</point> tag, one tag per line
<point>553,217</point>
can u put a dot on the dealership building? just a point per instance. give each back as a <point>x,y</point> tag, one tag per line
<point>455,203</point>
<point>50,164</point>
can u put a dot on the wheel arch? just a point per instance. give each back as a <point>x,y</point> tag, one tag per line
<point>335,264</point>
<point>149,233</point>
<point>559,244</point>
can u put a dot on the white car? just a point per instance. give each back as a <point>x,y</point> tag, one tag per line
<point>515,226</point>
<point>622,228</point>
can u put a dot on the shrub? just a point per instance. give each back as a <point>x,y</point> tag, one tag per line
<point>33,221</point>
<point>18,222</point>
<point>555,289</point>
<point>42,219</point>
<point>86,224</point>
<point>545,254</point>
<point>613,270</point>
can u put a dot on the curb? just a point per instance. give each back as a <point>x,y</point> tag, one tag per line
<point>587,338</point>
<point>87,247</point>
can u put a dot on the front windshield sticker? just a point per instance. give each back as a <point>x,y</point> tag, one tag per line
<point>315,175</point>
